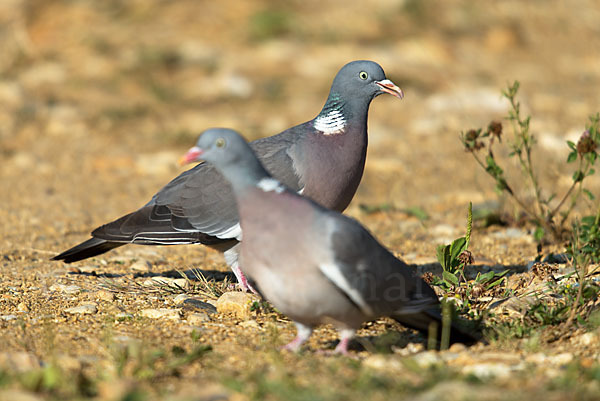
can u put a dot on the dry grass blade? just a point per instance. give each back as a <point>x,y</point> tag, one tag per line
<point>209,288</point>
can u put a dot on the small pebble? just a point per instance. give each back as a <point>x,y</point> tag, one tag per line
<point>410,349</point>
<point>123,316</point>
<point>457,347</point>
<point>180,299</point>
<point>588,339</point>
<point>383,363</point>
<point>237,303</point>
<point>488,370</point>
<point>197,318</point>
<point>427,358</point>
<point>84,309</point>
<point>173,314</point>
<point>22,307</point>
<point>158,281</point>
<point>141,266</point>
<point>250,324</point>
<point>67,289</point>
<point>193,304</point>
<point>105,295</point>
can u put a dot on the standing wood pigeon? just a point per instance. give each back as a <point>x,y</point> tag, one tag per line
<point>322,158</point>
<point>313,264</point>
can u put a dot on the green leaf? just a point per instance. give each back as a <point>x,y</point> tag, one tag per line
<point>571,145</point>
<point>493,168</point>
<point>443,256</point>
<point>370,209</point>
<point>538,234</point>
<point>416,212</point>
<point>591,157</point>
<point>588,219</point>
<point>591,172</point>
<point>449,277</point>
<point>589,194</point>
<point>486,277</point>
<point>578,176</point>
<point>495,283</point>
<point>572,157</point>
<point>456,248</point>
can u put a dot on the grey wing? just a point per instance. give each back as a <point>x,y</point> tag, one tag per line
<point>374,279</point>
<point>201,201</point>
<point>204,199</point>
<point>198,205</point>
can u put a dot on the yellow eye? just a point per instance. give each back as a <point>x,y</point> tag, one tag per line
<point>363,75</point>
<point>220,143</point>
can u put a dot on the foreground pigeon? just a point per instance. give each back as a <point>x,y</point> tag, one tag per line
<point>323,159</point>
<point>313,264</point>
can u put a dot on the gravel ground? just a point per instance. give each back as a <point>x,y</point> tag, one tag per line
<point>98,100</point>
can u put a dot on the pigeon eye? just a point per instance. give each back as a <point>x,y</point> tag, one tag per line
<point>363,75</point>
<point>220,143</point>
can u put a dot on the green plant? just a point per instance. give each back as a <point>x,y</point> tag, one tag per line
<point>549,218</point>
<point>584,249</point>
<point>454,258</point>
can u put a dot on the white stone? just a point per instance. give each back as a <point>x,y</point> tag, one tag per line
<point>427,359</point>
<point>67,289</point>
<point>83,309</point>
<point>237,303</point>
<point>488,370</point>
<point>141,266</point>
<point>250,324</point>
<point>588,339</point>
<point>162,313</point>
<point>197,318</point>
<point>180,299</point>
<point>159,281</point>
<point>123,316</point>
<point>383,363</point>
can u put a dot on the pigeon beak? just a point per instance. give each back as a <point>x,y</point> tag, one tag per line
<point>192,155</point>
<point>389,87</point>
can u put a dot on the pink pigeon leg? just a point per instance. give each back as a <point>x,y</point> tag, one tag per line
<point>231,257</point>
<point>303,333</point>
<point>345,336</point>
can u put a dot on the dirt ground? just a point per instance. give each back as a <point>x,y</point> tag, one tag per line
<point>99,99</point>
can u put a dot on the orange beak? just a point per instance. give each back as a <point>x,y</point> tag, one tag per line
<point>389,87</point>
<point>192,155</point>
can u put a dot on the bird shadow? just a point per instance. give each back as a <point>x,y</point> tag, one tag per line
<point>94,273</point>
<point>191,274</point>
<point>385,343</point>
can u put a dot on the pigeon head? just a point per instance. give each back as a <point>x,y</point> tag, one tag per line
<point>229,152</point>
<point>212,142</point>
<point>363,79</point>
<point>219,146</point>
<point>353,88</point>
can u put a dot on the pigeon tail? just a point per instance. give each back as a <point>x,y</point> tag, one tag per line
<point>87,249</point>
<point>422,322</point>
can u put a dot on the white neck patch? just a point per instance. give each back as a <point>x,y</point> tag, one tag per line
<point>332,123</point>
<point>270,184</point>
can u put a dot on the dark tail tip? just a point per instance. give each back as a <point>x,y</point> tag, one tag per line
<point>87,249</point>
